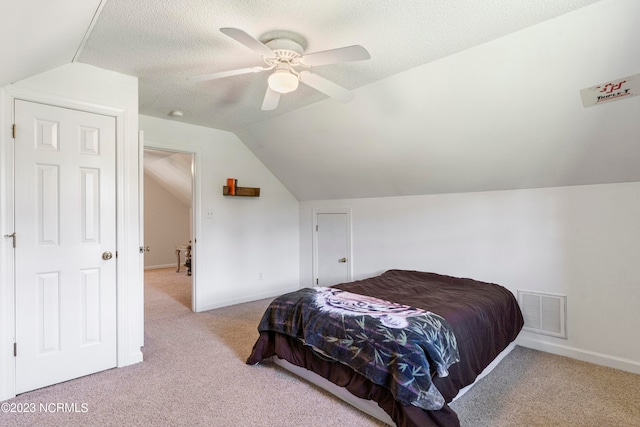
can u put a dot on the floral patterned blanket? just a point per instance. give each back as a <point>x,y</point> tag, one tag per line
<point>393,345</point>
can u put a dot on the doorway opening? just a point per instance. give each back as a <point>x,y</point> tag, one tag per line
<point>169,241</point>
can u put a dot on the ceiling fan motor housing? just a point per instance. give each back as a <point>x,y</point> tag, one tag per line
<point>285,48</point>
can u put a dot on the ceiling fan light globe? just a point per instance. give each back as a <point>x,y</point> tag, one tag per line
<point>283,82</point>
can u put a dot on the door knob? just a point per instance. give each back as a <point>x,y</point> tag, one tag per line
<point>342,260</point>
<point>107,255</point>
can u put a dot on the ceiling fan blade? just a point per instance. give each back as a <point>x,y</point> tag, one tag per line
<point>250,42</point>
<point>221,74</point>
<point>271,99</point>
<point>326,86</point>
<point>342,54</point>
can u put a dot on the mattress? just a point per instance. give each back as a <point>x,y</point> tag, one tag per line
<point>484,317</point>
<point>370,407</point>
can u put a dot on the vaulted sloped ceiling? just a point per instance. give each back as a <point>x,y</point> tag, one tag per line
<point>172,171</point>
<point>458,95</point>
<point>165,42</point>
<point>503,115</point>
<point>37,35</point>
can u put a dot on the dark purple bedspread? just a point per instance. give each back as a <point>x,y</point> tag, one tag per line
<point>485,318</point>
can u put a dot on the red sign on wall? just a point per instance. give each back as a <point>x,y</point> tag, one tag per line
<point>611,91</point>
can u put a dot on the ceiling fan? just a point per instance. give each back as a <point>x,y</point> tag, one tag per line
<point>284,55</point>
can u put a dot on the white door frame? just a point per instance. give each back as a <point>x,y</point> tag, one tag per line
<point>317,211</point>
<point>195,204</point>
<point>128,351</point>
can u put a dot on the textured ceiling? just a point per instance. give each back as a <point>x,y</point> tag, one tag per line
<point>503,115</point>
<point>458,96</point>
<point>164,42</point>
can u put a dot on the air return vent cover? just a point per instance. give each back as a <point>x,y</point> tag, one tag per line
<point>544,313</point>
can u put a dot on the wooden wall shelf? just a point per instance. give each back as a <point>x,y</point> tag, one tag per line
<point>242,191</point>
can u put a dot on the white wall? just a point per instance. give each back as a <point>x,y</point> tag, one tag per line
<point>166,225</point>
<point>581,241</point>
<point>247,237</point>
<point>92,89</point>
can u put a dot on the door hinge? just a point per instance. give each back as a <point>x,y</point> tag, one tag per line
<point>317,281</point>
<point>12,236</point>
<point>13,131</point>
<point>316,227</point>
<point>15,349</point>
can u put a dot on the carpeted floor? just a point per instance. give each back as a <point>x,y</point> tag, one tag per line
<point>532,388</point>
<point>194,374</point>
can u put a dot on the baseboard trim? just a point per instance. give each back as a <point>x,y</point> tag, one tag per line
<point>607,360</point>
<point>157,267</point>
<point>233,301</point>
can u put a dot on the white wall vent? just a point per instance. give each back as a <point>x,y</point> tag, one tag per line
<point>544,313</point>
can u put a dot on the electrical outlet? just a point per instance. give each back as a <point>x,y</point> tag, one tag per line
<point>209,214</point>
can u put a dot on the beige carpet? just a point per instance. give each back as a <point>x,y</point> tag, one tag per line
<point>532,388</point>
<point>194,375</point>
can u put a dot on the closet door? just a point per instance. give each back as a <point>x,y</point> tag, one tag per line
<point>332,248</point>
<point>65,244</point>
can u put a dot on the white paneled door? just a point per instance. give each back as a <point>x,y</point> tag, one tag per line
<point>65,244</point>
<point>333,248</point>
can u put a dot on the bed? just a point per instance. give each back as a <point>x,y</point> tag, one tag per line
<point>469,323</point>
